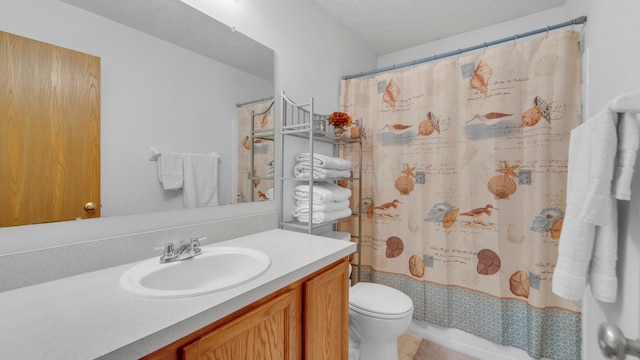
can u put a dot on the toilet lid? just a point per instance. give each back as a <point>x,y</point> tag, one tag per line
<point>378,299</point>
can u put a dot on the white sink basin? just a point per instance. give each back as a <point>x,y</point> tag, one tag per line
<point>217,268</point>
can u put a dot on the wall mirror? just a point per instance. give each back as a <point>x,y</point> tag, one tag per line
<point>171,79</point>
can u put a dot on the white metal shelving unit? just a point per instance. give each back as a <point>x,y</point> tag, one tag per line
<point>301,121</point>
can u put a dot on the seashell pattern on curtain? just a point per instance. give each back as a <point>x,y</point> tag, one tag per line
<point>480,184</point>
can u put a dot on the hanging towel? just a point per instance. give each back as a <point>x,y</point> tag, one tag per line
<point>322,191</point>
<point>321,216</point>
<point>301,171</point>
<point>324,161</point>
<point>200,180</point>
<point>170,170</point>
<point>628,144</point>
<point>590,215</point>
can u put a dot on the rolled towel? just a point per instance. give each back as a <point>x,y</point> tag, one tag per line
<point>302,171</point>
<point>302,206</point>
<point>322,216</point>
<point>324,161</point>
<point>322,191</point>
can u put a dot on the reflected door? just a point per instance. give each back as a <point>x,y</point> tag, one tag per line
<point>49,132</point>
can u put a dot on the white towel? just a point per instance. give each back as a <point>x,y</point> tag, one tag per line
<point>590,215</point>
<point>322,191</point>
<point>324,161</point>
<point>170,170</point>
<point>200,180</point>
<point>321,216</point>
<point>628,144</point>
<point>301,171</point>
<point>302,207</point>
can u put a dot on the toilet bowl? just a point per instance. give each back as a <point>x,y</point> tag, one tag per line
<point>378,315</point>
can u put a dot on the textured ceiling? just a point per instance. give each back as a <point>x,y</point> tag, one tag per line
<point>392,25</point>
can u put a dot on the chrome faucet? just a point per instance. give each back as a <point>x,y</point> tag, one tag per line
<point>185,251</point>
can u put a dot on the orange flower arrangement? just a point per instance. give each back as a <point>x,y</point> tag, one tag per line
<point>339,119</point>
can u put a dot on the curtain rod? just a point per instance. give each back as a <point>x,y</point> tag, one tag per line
<point>576,21</point>
<point>254,101</point>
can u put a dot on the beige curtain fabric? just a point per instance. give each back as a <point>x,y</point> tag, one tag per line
<point>255,190</point>
<point>465,165</point>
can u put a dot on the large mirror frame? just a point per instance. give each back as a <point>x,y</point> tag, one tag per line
<point>152,98</point>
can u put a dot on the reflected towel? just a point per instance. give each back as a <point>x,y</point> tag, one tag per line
<point>324,161</point>
<point>170,170</point>
<point>321,216</point>
<point>200,180</point>
<point>322,191</point>
<point>302,207</point>
<point>301,171</point>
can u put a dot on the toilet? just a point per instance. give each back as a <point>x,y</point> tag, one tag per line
<point>378,315</point>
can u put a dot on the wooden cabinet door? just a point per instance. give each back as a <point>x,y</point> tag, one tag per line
<point>270,331</point>
<point>49,132</point>
<point>326,314</point>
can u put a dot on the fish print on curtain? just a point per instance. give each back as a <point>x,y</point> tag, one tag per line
<point>465,167</point>
<point>259,188</point>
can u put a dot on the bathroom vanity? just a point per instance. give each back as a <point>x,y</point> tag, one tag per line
<point>297,309</point>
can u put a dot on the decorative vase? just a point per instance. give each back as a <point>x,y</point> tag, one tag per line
<point>338,132</point>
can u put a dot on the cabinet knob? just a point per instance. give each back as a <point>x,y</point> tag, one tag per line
<point>90,207</point>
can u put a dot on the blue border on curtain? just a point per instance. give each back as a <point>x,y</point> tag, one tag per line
<point>550,333</point>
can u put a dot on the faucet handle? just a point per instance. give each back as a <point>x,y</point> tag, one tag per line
<point>197,240</point>
<point>167,248</point>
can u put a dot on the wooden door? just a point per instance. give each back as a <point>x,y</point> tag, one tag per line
<point>270,331</point>
<point>326,314</point>
<point>49,132</point>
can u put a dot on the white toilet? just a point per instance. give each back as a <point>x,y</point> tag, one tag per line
<point>378,315</point>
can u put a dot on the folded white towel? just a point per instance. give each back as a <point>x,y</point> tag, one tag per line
<point>590,215</point>
<point>302,207</point>
<point>628,144</point>
<point>324,161</point>
<point>301,171</point>
<point>321,216</point>
<point>170,170</point>
<point>322,191</point>
<point>200,180</point>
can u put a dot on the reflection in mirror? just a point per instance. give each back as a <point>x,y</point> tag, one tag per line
<point>170,78</point>
<point>255,151</point>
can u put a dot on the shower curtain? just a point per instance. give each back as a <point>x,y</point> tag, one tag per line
<point>260,188</point>
<point>464,184</point>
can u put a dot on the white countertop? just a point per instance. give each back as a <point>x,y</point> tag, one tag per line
<point>89,316</point>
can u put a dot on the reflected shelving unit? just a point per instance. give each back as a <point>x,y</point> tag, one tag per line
<point>267,134</point>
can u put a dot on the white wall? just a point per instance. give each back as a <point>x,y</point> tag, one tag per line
<point>312,53</point>
<point>153,93</point>
<point>473,38</point>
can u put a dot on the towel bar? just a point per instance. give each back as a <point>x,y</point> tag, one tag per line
<point>154,153</point>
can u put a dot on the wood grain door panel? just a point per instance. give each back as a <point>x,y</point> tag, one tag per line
<point>49,132</point>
